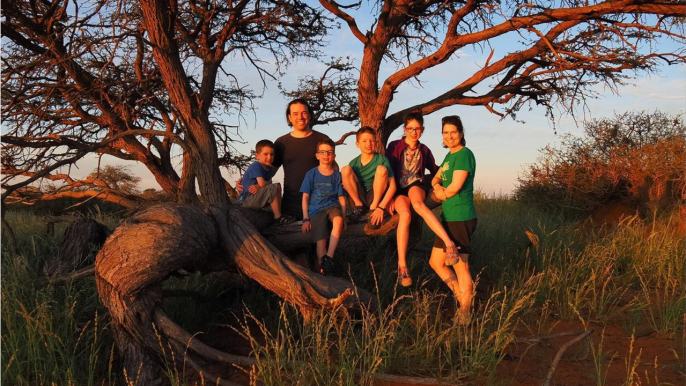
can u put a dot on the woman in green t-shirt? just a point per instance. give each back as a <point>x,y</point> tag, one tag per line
<point>454,186</point>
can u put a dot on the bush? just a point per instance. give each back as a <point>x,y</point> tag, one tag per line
<point>635,157</point>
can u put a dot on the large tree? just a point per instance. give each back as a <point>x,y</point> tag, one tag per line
<point>551,54</point>
<point>140,81</point>
<point>137,80</point>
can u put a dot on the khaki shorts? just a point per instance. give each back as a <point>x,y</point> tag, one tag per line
<point>365,196</point>
<point>263,197</point>
<point>321,222</point>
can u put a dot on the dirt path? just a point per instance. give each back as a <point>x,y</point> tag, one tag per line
<point>655,361</point>
<point>657,358</point>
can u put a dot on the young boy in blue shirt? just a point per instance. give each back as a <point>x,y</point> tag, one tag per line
<point>323,204</point>
<point>258,178</point>
<point>368,179</point>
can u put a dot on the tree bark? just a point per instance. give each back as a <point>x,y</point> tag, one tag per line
<point>81,239</point>
<point>202,150</point>
<point>153,244</point>
<point>8,234</point>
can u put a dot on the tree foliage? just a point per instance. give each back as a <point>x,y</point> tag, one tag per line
<point>148,80</point>
<point>550,54</point>
<point>117,177</point>
<point>635,156</point>
<point>110,183</point>
<point>82,77</point>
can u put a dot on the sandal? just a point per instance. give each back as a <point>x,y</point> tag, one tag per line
<point>404,277</point>
<point>451,256</point>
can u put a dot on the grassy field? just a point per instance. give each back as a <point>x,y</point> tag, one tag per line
<point>625,282</point>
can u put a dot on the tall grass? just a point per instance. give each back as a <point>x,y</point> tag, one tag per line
<point>632,275</point>
<point>409,337</point>
<point>50,335</point>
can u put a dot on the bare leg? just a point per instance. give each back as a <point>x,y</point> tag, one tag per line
<point>402,206</point>
<point>417,196</point>
<point>437,262</point>
<point>461,284</point>
<point>336,230</point>
<point>321,250</point>
<point>380,185</point>
<point>350,184</point>
<point>466,284</point>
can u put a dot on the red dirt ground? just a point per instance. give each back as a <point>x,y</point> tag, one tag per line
<point>657,362</point>
<point>660,358</point>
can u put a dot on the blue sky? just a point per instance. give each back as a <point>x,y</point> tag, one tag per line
<point>502,147</point>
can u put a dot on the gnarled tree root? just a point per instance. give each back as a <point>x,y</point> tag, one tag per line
<point>150,246</point>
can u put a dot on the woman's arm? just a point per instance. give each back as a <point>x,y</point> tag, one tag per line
<point>459,177</point>
<point>436,181</point>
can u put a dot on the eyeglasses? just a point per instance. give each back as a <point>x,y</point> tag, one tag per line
<point>414,130</point>
<point>325,152</point>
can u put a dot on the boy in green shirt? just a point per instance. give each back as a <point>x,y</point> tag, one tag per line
<point>368,179</point>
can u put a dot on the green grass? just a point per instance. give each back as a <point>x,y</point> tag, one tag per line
<point>632,276</point>
<point>50,334</point>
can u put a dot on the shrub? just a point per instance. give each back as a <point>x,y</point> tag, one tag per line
<point>635,157</point>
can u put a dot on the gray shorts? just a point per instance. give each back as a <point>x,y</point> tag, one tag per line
<point>263,197</point>
<point>365,196</point>
<point>321,222</point>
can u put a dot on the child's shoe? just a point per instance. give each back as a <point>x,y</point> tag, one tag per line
<point>357,215</point>
<point>404,277</point>
<point>451,256</point>
<point>284,219</point>
<point>328,267</point>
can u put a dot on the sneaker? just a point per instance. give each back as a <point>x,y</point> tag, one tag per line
<point>284,219</point>
<point>451,256</point>
<point>404,277</point>
<point>357,215</point>
<point>328,267</point>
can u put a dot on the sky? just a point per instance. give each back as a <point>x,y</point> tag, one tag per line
<point>503,147</point>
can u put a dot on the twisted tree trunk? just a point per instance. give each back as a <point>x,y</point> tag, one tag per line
<point>151,245</point>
